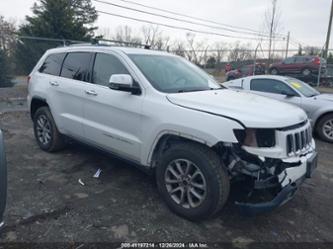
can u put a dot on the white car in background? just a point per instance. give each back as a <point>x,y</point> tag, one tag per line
<point>318,107</point>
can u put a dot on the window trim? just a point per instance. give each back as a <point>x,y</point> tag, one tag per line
<point>48,56</point>
<point>120,60</point>
<point>89,65</point>
<point>290,88</point>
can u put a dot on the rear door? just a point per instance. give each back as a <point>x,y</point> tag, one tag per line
<point>301,62</point>
<point>287,66</point>
<point>275,89</point>
<point>112,118</point>
<point>68,93</point>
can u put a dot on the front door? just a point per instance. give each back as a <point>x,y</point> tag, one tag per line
<point>112,118</point>
<point>275,89</point>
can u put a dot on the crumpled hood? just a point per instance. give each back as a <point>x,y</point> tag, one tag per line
<point>250,109</point>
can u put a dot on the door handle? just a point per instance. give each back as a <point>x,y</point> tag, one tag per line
<point>54,83</point>
<point>91,92</point>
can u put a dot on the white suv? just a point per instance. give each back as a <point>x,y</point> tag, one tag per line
<point>164,113</point>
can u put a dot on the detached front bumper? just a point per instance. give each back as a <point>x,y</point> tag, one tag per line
<point>290,179</point>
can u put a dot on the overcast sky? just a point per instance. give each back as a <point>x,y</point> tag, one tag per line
<point>307,20</point>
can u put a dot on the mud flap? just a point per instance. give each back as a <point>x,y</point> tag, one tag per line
<point>3,179</point>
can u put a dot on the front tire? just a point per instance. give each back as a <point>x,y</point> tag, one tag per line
<point>192,181</point>
<point>324,128</point>
<point>274,71</point>
<point>46,132</point>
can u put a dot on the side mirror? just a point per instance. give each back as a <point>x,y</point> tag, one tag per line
<point>288,94</point>
<point>123,82</point>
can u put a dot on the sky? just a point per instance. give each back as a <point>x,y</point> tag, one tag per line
<point>307,20</point>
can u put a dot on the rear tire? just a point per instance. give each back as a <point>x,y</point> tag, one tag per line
<point>273,71</point>
<point>46,132</point>
<point>203,187</point>
<point>324,128</point>
<point>306,72</point>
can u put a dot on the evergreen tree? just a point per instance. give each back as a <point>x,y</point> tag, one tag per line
<point>4,70</point>
<point>59,19</point>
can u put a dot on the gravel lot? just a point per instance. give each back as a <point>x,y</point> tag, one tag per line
<point>47,204</point>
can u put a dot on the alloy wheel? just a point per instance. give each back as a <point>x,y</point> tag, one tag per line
<point>306,72</point>
<point>185,183</point>
<point>328,129</point>
<point>43,128</point>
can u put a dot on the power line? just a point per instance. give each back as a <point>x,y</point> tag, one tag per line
<point>195,18</point>
<point>178,19</point>
<point>176,27</point>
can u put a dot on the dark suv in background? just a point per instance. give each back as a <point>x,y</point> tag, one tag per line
<point>304,65</point>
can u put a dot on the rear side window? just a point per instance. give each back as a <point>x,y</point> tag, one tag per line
<point>289,60</point>
<point>301,59</point>
<point>76,66</point>
<point>106,65</point>
<point>270,86</point>
<point>52,64</point>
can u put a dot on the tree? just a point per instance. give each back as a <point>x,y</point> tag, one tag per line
<point>272,24</point>
<point>211,62</point>
<point>300,50</point>
<point>125,34</point>
<point>311,50</point>
<point>7,35</point>
<point>220,53</point>
<point>60,19</point>
<point>240,53</point>
<point>4,69</point>
<point>330,58</point>
<point>7,44</point>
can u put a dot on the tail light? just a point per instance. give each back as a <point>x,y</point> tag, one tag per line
<point>316,60</point>
<point>28,79</point>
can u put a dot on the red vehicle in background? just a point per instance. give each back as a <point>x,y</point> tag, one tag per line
<point>227,68</point>
<point>245,70</point>
<point>303,65</point>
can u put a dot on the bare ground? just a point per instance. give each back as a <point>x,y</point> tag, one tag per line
<point>47,204</point>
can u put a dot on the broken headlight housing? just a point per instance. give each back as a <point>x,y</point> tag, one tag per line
<point>256,137</point>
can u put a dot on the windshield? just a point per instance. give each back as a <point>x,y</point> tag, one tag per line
<point>302,87</point>
<point>171,74</point>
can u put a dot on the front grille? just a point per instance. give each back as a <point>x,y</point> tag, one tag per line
<point>299,141</point>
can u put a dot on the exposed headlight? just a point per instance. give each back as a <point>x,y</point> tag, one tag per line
<point>256,137</point>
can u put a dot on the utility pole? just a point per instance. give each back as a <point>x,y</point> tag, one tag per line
<point>287,47</point>
<point>271,29</point>
<point>328,33</point>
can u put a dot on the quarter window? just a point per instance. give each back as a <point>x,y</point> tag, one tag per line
<point>76,66</point>
<point>106,65</point>
<point>52,64</point>
<point>271,86</point>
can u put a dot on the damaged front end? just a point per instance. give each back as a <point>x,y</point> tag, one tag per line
<point>272,163</point>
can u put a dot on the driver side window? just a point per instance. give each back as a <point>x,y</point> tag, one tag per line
<point>105,65</point>
<point>271,86</point>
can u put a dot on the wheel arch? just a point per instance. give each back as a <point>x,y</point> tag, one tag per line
<point>37,102</point>
<point>164,141</point>
<point>167,139</point>
<point>320,117</point>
